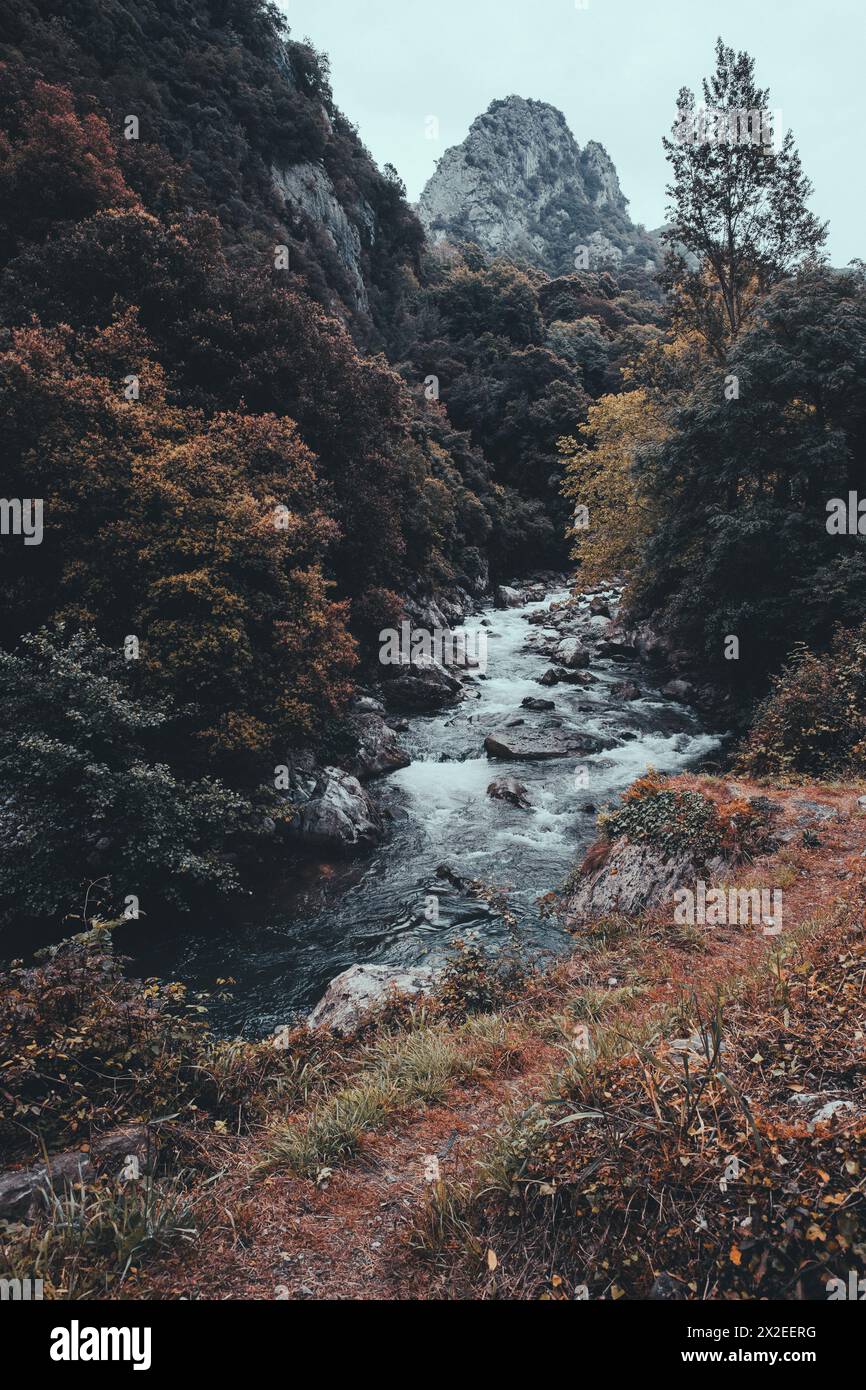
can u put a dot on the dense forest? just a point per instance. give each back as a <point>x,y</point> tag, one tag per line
<point>242,467</point>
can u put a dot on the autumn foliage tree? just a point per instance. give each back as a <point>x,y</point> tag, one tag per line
<point>613,515</point>
<point>204,538</point>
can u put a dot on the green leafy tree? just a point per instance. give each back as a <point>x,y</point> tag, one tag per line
<point>740,487</point>
<point>86,799</point>
<point>738,216</point>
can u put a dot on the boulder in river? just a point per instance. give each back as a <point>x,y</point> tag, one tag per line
<point>558,675</point>
<point>336,815</point>
<point>509,789</point>
<point>538,705</point>
<point>360,988</point>
<point>540,745</point>
<point>572,654</point>
<point>626,690</point>
<point>378,748</point>
<point>678,690</point>
<point>506,597</point>
<point>422,684</point>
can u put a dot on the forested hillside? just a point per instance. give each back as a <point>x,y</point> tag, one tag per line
<point>198,259</point>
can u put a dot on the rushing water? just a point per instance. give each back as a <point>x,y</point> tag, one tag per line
<point>292,942</point>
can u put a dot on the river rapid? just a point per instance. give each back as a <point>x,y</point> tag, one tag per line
<point>291,941</point>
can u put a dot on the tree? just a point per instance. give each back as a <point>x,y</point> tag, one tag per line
<point>739,221</point>
<point>599,476</point>
<point>741,487</point>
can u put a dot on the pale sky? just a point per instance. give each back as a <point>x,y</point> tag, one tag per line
<point>613,68</point>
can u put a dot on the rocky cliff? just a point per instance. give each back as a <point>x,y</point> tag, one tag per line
<point>521,186</point>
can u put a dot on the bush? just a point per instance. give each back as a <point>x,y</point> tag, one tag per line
<point>676,821</point>
<point>813,722</point>
<point>83,797</point>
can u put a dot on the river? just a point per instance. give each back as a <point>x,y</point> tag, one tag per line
<point>291,941</point>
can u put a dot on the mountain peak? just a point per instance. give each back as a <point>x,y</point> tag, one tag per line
<point>519,185</point>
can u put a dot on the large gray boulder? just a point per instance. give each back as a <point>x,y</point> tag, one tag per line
<point>360,988</point>
<point>378,749</point>
<point>506,597</point>
<point>526,744</point>
<point>572,654</point>
<point>633,877</point>
<point>422,684</point>
<point>338,815</point>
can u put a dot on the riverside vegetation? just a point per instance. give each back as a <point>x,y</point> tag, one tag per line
<point>216,351</point>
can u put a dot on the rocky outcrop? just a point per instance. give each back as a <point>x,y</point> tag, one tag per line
<point>519,185</point>
<point>333,813</point>
<point>378,747</point>
<point>631,878</point>
<point>360,988</point>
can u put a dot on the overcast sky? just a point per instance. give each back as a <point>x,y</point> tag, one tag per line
<point>613,68</point>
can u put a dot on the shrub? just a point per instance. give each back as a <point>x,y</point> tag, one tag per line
<point>83,795</point>
<point>813,722</point>
<point>677,821</point>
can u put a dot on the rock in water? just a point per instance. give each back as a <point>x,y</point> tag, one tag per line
<point>509,789</point>
<point>537,705</point>
<point>559,676</point>
<point>678,690</point>
<point>350,995</point>
<point>422,684</point>
<point>506,597</point>
<point>626,690</point>
<point>539,745</point>
<point>337,816</point>
<point>572,654</point>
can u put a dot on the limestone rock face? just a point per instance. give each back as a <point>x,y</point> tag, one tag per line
<point>308,189</point>
<point>519,185</point>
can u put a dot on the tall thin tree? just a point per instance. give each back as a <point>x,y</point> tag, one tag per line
<point>738,220</point>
